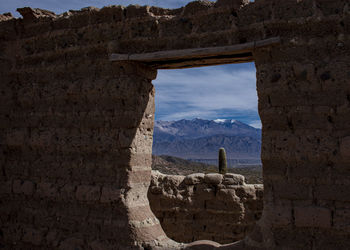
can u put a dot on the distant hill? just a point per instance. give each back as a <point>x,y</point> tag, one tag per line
<point>176,166</point>
<point>200,140</point>
<point>173,165</point>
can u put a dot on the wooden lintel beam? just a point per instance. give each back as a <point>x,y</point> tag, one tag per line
<point>201,62</point>
<point>195,64</point>
<point>212,55</point>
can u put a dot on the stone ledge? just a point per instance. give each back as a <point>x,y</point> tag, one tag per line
<point>198,205</point>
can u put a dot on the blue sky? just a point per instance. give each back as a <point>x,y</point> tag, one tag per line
<point>59,6</point>
<point>225,92</point>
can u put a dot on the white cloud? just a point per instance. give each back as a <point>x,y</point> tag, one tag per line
<point>256,124</point>
<point>204,92</point>
<point>187,114</point>
<point>209,88</point>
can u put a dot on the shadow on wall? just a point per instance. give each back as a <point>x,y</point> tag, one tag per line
<point>69,153</point>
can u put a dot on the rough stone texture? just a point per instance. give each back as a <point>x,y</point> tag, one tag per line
<point>76,136</point>
<point>75,162</point>
<point>71,120</point>
<point>225,211</point>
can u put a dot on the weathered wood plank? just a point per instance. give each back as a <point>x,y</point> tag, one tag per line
<point>199,56</point>
<point>198,52</point>
<point>180,64</point>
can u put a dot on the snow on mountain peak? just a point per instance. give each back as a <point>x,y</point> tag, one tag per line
<point>225,121</point>
<point>220,120</point>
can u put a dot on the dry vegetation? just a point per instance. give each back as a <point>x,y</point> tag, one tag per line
<point>178,166</point>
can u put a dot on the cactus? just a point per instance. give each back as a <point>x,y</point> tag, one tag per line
<point>222,161</point>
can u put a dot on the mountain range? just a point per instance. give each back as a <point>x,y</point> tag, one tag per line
<point>200,140</point>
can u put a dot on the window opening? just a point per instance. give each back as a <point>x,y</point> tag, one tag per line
<point>199,110</point>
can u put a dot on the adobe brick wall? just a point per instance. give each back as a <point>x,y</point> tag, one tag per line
<point>75,172</point>
<point>304,106</point>
<point>76,136</point>
<point>222,208</point>
<point>76,129</point>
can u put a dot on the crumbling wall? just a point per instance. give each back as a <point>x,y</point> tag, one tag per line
<point>304,107</point>
<point>303,90</point>
<point>222,208</point>
<point>76,137</point>
<point>70,156</point>
<point>76,128</point>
